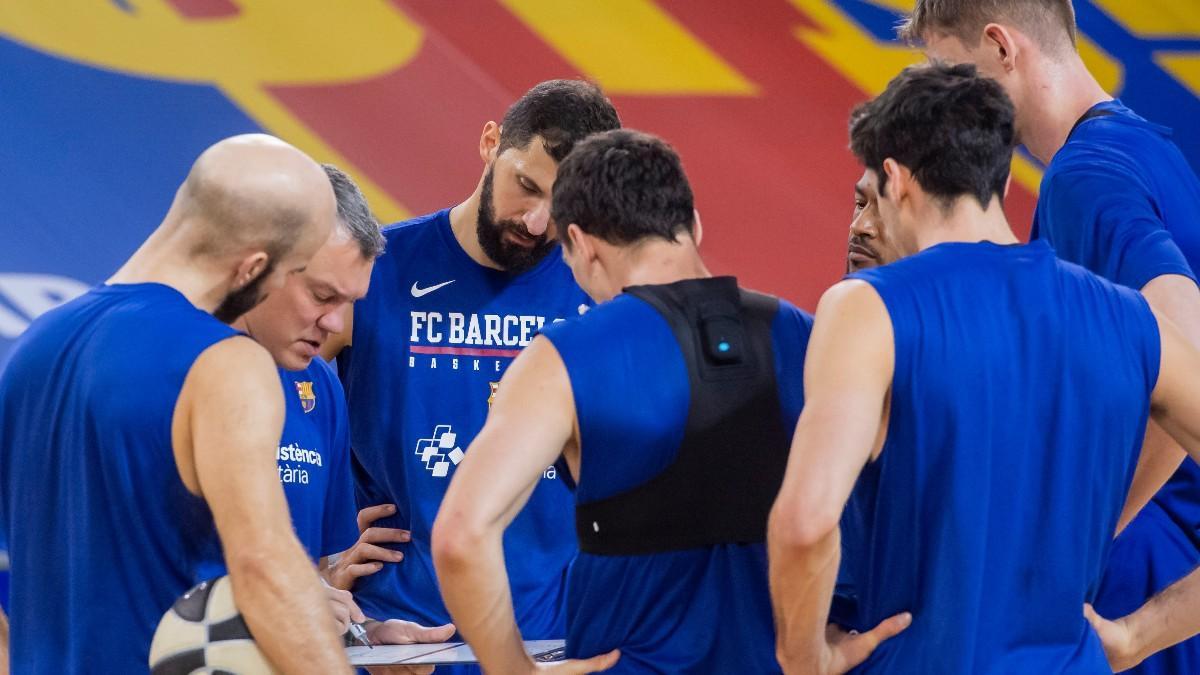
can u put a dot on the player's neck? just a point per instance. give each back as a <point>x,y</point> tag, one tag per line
<point>242,324</point>
<point>464,222</point>
<point>1062,96</point>
<point>660,262</point>
<point>965,222</point>
<point>162,259</point>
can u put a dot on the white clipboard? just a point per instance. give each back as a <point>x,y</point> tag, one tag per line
<point>443,654</point>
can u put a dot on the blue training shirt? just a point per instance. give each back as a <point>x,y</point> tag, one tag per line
<point>103,534</point>
<point>705,610</point>
<point>314,465</point>
<point>314,460</point>
<point>1018,404</point>
<point>431,340</point>
<point>1120,199</point>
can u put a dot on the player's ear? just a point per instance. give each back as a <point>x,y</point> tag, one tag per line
<point>697,227</point>
<point>999,45</point>
<point>898,180</point>
<point>489,141</point>
<point>250,268</point>
<point>581,244</point>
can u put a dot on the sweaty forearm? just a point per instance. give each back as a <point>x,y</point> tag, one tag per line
<point>802,578</point>
<point>474,586</point>
<point>285,607</point>
<point>1168,618</point>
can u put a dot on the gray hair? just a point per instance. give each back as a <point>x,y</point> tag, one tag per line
<point>354,214</point>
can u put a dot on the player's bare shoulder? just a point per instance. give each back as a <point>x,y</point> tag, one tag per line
<point>232,381</point>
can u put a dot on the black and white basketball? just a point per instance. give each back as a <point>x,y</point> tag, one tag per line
<point>204,634</point>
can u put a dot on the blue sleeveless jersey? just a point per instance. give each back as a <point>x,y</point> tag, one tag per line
<point>431,340</point>
<point>103,534</point>
<point>314,465</point>
<point>705,610</point>
<point>1019,401</point>
<point>1120,199</point>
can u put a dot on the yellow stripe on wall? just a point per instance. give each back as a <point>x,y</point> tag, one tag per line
<point>630,47</point>
<point>1155,17</point>
<point>269,42</point>
<point>1183,67</point>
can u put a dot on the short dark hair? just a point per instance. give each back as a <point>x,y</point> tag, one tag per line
<point>354,214</point>
<point>561,113</point>
<point>950,127</point>
<point>1043,20</point>
<point>623,186</point>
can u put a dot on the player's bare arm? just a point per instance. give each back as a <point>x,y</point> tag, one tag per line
<point>847,375</point>
<point>531,421</point>
<point>225,439</point>
<point>1178,299</point>
<point>3,643</point>
<point>1173,615</point>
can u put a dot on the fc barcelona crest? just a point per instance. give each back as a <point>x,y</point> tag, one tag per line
<point>308,400</point>
<point>492,395</point>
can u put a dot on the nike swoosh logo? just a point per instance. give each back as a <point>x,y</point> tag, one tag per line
<point>418,292</point>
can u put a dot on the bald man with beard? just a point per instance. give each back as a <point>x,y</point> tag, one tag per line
<point>137,428</point>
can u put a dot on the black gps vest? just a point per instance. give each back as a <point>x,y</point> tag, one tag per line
<point>729,467</point>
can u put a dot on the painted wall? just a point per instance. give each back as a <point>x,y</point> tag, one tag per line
<point>104,103</point>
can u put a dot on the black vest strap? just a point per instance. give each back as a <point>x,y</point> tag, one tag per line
<point>720,488</point>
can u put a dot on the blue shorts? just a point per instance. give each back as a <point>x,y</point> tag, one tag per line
<point>1149,555</point>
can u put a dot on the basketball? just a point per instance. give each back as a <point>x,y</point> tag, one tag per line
<point>203,632</point>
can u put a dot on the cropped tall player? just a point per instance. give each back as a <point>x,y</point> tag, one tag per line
<point>1119,198</point>
<point>458,294</point>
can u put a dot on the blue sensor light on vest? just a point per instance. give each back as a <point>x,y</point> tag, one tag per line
<point>722,336</point>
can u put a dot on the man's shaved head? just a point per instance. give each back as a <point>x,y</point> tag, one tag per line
<point>251,204</point>
<point>252,191</point>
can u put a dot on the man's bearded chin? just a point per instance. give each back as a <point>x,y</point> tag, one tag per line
<point>511,257</point>
<point>244,299</point>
